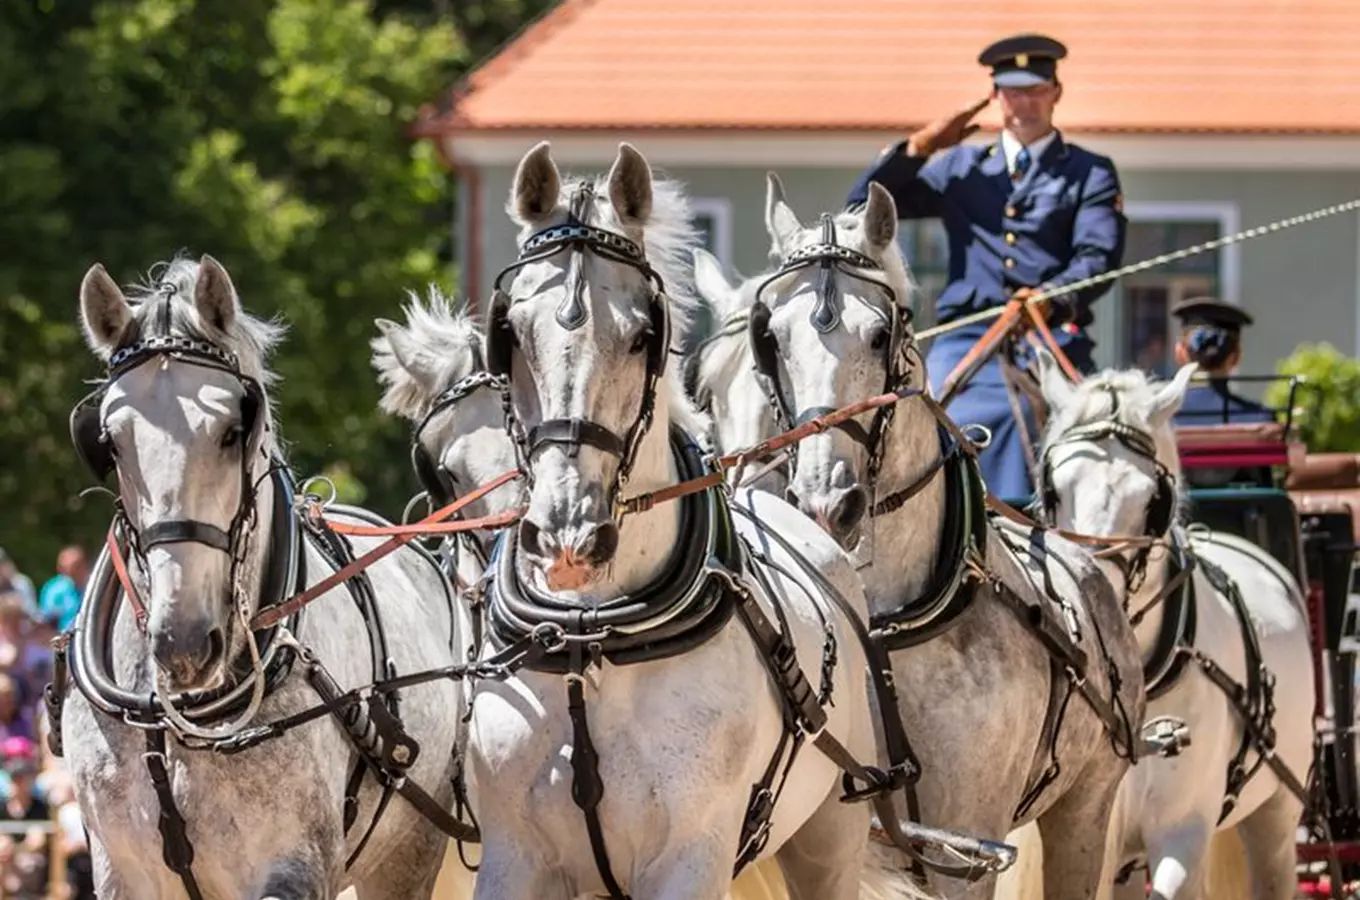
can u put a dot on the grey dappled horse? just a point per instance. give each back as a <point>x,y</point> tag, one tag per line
<point>166,734</point>
<point>1018,676</point>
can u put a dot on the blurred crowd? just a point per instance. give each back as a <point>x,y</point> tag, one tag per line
<point>43,853</point>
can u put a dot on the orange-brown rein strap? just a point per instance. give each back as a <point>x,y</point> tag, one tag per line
<point>400,535</point>
<point>644,502</point>
<point>987,345</point>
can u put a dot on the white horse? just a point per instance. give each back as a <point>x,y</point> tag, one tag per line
<point>209,537</point>
<point>624,757</point>
<point>1003,733</point>
<point>433,372</point>
<point>429,366</point>
<point>740,415</point>
<point>1111,467</point>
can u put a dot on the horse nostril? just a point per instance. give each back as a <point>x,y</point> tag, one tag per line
<point>529,535</point>
<point>215,647</point>
<point>849,509</point>
<point>599,546</point>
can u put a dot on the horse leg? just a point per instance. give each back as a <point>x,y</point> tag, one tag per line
<point>1268,837</point>
<point>1075,831</point>
<point>1176,859</point>
<point>510,872</point>
<point>698,870</point>
<point>825,857</point>
<point>412,870</point>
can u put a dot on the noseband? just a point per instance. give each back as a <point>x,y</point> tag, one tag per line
<point>1160,509</point>
<point>93,444</point>
<point>831,258</point>
<point>578,238</point>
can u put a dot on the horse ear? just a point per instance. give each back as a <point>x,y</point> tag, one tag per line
<point>780,220</point>
<point>215,295</point>
<point>104,311</point>
<point>709,279</point>
<point>630,186</point>
<point>880,218</point>
<point>537,183</point>
<point>1171,395</point>
<point>1053,382</point>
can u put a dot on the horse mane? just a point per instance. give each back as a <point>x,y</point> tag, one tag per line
<point>446,338</point>
<point>669,239</point>
<point>1093,402</point>
<point>722,357</point>
<point>252,340</point>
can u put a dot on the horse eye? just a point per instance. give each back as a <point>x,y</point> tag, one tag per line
<point>879,339</point>
<point>232,437</point>
<point>640,342</point>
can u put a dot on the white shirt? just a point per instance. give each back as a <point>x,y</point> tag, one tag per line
<point>1010,145</point>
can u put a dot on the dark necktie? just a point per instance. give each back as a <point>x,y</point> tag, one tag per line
<point>1021,163</point>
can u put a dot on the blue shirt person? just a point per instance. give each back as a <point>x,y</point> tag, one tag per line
<point>59,601</point>
<point>1027,213</point>
<point>1211,335</point>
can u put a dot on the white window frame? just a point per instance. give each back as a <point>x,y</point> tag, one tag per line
<point>1106,327</point>
<point>1229,222</point>
<point>719,209</point>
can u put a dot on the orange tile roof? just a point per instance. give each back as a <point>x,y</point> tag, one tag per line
<point>1133,66</point>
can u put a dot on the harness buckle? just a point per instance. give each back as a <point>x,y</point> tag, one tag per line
<point>879,782</point>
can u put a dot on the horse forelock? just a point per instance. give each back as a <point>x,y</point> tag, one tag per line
<point>251,339</point>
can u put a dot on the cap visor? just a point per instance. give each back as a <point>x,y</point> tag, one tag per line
<point>1018,79</point>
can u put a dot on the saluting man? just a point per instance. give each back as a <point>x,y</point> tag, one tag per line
<point>1027,213</point>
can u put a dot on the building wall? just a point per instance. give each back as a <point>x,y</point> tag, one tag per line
<point>1300,285</point>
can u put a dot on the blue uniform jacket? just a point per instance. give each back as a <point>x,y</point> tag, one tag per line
<point>1061,223</point>
<point>1214,404</point>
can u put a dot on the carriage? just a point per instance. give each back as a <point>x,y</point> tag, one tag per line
<point>1259,481</point>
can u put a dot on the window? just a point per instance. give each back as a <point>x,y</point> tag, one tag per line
<point>713,218</point>
<point>1139,323</point>
<point>926,247</point>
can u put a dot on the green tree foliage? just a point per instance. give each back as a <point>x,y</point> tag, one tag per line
<point>269,133</point>
<point>1328,404</point>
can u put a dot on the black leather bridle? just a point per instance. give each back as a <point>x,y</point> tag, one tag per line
<point>95,447</point>
<point>830,258</point>
<point>578,238</point>
<point>1161,507</point>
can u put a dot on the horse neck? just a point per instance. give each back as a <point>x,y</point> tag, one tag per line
<point>904,543</point>
<point>646,539</point>
<point>1158,574</point>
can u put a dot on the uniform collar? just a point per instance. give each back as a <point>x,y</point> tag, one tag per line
<point>1010,146</point>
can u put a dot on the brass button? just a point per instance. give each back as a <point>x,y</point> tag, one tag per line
<point>1010,263</point>
<point>1010,237</point>
<point>1010,212</point>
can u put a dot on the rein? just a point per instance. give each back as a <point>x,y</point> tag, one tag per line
<point>1008,322</point>
<point>399,535</point>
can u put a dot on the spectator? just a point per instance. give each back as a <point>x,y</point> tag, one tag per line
<point>16,719</point>
<point>23,803</point>
<point>11,579</point>
<point>71,833</point>
<point>60,598</point>
<point>26,877</point>
<point>23,652</point>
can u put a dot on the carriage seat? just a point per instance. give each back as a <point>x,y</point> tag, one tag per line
<point>1237,453</point>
